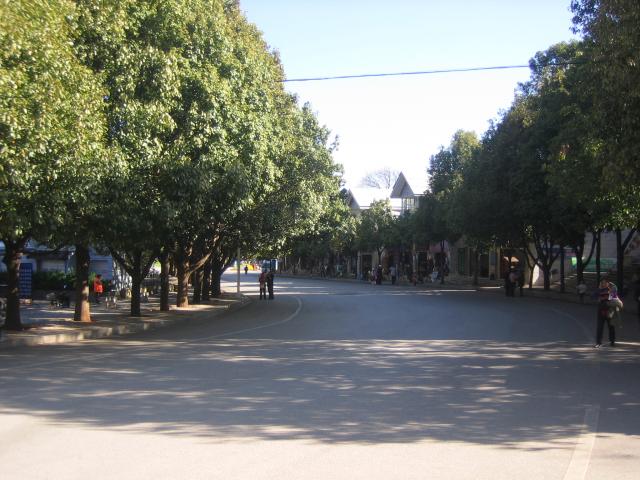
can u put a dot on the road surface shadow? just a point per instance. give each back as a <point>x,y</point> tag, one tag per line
<point>516,395</point>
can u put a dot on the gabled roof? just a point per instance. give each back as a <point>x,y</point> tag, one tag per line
<point>361,198</point>
<point>402,188</point>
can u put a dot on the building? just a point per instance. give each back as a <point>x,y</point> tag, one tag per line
<point>38,257</point>
<point>359,199</point>
<point>409,194</point>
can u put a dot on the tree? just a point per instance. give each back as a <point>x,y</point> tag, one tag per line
<point>136,48</point>
<point>611,29</point>
<point>375,231</point>
<point>302,200</point>
<point>445,167</point>
<point>51,128</point>
<point>473,206</point>
<point>445,179</point>
<point>562,76</point>
<point>384,178</point>
<point>270,174</point>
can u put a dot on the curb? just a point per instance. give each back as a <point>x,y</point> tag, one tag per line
<point>94,330</point>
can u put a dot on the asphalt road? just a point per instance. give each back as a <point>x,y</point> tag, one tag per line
<point>332,380</point>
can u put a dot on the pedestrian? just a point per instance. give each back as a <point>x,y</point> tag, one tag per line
<point>97,287</point>
<point>581,288</point>
<point>521,281</point>
<point>513,281</point>
<point>246,269</point>
<point>262,280</point>
<point>507,283</point>
<point>270,276</point>
<point>393,273</point>
<point>379,275</point>
<point>604,295</point>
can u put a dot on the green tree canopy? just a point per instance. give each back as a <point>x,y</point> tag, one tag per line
<point>51,127</point>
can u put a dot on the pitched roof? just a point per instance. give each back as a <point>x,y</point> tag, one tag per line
<point>361,198</point>
<point>403,189</point>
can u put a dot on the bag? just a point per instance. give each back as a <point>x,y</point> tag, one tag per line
<point>616,303</point>
<point>613,313</point>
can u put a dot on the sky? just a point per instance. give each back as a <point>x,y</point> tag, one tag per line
<point>399,122</point>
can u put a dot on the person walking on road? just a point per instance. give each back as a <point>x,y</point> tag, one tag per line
<point>508,283</point>
<point>393,273</point>
<point>262,280</point>
<point>379,275</point>
<point>604,295</point>
<point>270,276</point>
<point>521,281</point>
<point>246,269</point>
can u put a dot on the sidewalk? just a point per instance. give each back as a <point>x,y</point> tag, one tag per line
<point>47,325</point>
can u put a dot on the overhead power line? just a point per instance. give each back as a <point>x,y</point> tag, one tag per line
<point>423,72</point>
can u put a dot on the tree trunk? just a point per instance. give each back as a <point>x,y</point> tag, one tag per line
<point>197,285</point>
<point>598,271</point>
<point>136,280</point>
<point>621,246</point>
<point>476,268</point>
<point>546,275</point>
<point>578,250</point>
<point>591,250</point>
<point>183,282</point>
<point>164,281</point>
<point>530,265</point>
<point>206,281</point>
<point>442,262</point>
<point>544,250</point>
<point>619,261</point>
<point>12,258</point>
<point>562,285</point>
<point>82,311</point>
<point>216,273</point>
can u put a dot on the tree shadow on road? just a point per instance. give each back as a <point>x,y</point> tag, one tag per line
<point>515,395</point>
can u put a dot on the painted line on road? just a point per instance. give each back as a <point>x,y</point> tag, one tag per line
<point>581,457</point>
<point>259,327</point>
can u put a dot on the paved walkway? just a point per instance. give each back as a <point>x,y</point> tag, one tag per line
<point>55,325</point>
<point>630,331</point>
<point>491,286</point>
<point>50,325</point>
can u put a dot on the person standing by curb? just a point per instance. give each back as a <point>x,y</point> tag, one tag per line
<point>97,287</point>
